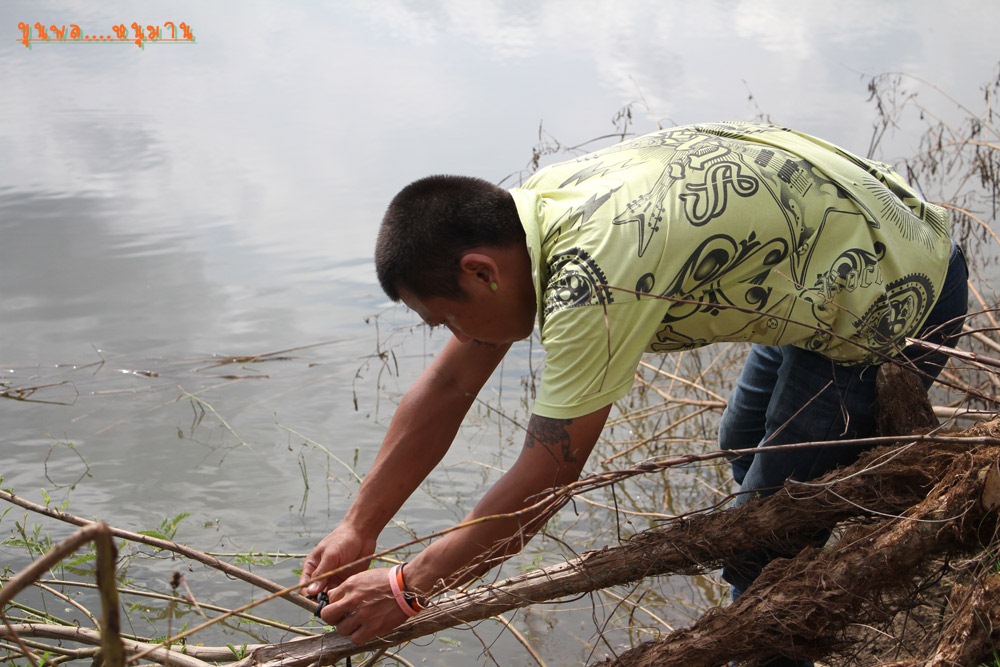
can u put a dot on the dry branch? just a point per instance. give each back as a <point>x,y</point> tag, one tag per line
<point>179,657</point>
<point>112,650</point>
<point>802,607</point>
<point>166,545</point>
<point>112,647</point>
<point>972,634</point>
<point>885,482</point>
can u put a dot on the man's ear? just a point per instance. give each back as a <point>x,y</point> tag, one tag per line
<point>481,267</point>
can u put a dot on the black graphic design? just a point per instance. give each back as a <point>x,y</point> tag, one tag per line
<point>853,269</point>
<point>597,170</point>
<point>696,287</point>
<point>646,213</point>
<point>645,284</point>
<point>898,314</point>
<point>898,209</point>
<point>670,340</point>
<point>582,214</point>
<point>709,175</point>
<point>707,200</point>
<point>575,280</point>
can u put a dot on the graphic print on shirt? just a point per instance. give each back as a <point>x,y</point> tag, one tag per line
<point>576,281</point>
<point>743,239</point>
<point>890,320</point>
<point>697,286</point>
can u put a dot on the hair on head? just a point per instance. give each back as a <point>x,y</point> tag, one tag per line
<point>431,223</point>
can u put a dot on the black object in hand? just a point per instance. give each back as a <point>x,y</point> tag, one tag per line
<point>323,599</point>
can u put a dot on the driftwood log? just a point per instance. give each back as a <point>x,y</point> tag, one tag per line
<point>802,607</point>
<point>910,502</point>
<point>929,488</point>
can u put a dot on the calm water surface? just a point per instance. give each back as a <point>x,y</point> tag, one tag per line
<point>186,294</point>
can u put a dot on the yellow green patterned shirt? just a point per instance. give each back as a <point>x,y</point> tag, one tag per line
<point>721,232</point>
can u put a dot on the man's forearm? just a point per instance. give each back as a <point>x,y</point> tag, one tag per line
<point>421,431</point>
<point>496,529</point>
<point>501,524</point>
<point>415,443</point>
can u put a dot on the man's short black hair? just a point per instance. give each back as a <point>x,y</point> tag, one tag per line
<point>431,223</point>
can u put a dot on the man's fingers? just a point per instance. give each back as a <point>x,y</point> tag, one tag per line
<point>320,567</point>
<point>309,587</point>
<point>309,566</point>
<point>314,587</point>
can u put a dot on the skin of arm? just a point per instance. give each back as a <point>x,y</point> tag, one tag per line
<point>554,453</point>
<point>420,433</point>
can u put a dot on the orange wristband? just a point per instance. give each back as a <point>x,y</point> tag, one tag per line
<point>396,585</point>
<point>411,598</point>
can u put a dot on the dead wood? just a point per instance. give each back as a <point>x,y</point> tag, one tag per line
<point>802,607</point>
<point>901,403</point>
<point>972,634</point>
<point>166,545</point>
<point>888,481</point>
<point>178,657</point>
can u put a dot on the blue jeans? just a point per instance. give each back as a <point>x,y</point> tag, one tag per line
<point>786,395</point>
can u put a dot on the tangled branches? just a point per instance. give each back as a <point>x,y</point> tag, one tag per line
<point>907,503</point>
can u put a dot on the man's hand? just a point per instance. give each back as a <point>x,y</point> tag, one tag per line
<point>363,607</point>
<point>419,435</point>
<point>341,547</point>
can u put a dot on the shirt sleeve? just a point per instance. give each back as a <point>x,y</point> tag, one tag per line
<point>591,355</point>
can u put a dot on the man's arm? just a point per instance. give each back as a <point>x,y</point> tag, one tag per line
<point>420,433</point>
<point>555,451</point>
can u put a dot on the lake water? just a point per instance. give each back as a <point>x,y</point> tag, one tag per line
<point>187,300</point>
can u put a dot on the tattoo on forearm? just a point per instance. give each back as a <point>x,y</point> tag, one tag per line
<point>551,434</point>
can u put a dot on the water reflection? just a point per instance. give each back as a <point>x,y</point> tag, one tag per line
<point>66,272</point>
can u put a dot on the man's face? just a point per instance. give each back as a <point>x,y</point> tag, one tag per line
<point>484,316</point>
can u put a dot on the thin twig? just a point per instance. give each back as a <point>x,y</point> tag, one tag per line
<point>500,618</point>
<point>167,545</point>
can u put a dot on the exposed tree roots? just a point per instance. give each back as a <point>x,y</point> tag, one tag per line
<point>901,511</point>
<point>806,606</point>
<point>904,507</point>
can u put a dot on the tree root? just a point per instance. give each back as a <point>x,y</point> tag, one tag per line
<point>972,634</point>
<point>801,606</point>
<point>902,507</point>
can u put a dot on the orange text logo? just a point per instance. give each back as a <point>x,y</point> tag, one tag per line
<point>168,33</point>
